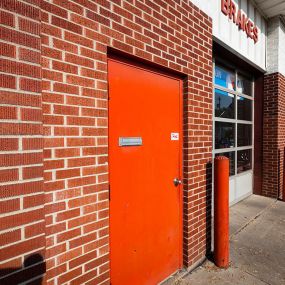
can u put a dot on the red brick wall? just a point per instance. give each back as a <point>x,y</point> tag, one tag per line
<point>273,134</point>
<point>281,133</point>
<point>22,221</point>
<point>75,36</point>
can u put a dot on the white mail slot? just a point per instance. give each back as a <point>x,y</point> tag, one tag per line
<point>129,141</point>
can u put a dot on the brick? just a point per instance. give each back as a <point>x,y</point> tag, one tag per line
<point>19,38</point>
<point>55,271</point>
<point>78,60</point>
<point>97,18</point>
<point>66,25</point>
<point>9,175</point>
<point>9,206</point>
<point>35,230</point>
<point>82,220</point>
<point>61,174</point>
<point>66,194</point>
<point>15,98</point>
<point>20,219</point>
<point>70,275</point>
<point>21,8</point>
<point>25,246</point>
<point>96,244</point>
<point>50,30</point>
<point>31,114</point>
<point>68,235</point>
<point>85,22</point>
<point>100,279</point>
<point>78,39</point>
<point>32,172</point>
<point>81,181</point>
<point>65,46</point>
<point>94,132</point>
<point>32,143</point>
<point>69,6</point>
<point>67,215</point>
<point>10,237</point>
<point>20,159</point>
<point>66,131</point>
<point>33,201</point>
<point>95,263</point>
<point>32,85</point>
<point>54,207</point>
<point>20,189</point>
<point>8,113</point>
<point>66,110</point>
<point>29,26</point>
<point>29,55</point>
<point>81,81</point>
<point>71,254</point>
<point>52,75</point>
<point>85,277</point>
<point>53,142</point>
<point>95,226</point>
<point>53,120</point>
<point>51,53</point>
<point>58,87</point>
<point>49,7</point>
<point>7,81</point>
<point>64,67</point>
<point>53,229</point>
<point>7,144</point>
<point>7,19</point>
<point>81,121</point>
<point>83,240</point>
<point>20,129</point>
<point>92,54</point>
<point>53,164</point>
<point>7,50</point>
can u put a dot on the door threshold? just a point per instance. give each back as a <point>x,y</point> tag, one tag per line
<point>174,277</point>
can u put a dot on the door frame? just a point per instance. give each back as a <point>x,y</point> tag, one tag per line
<point>156,69</point>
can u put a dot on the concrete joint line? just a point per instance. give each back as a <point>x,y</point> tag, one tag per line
<point>256,277</point>
<point>254,218</point>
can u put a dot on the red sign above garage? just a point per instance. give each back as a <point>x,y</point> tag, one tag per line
<point>229,8</point>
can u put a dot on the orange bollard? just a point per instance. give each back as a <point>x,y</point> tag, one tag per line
<point>221,212</point>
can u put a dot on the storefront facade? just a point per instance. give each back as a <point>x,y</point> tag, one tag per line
<point>111,113</point>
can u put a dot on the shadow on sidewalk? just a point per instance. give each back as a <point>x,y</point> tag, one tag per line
<point>209,201</point>
<point>32,269</point>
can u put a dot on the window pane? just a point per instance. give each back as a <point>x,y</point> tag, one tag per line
<point>224,135</point>
<point>244,135</point>
<point>244,107</point>
<point>244,85</point>
<point>231,156</point>
<point>243,160</point>
<point>224,77</point>
<point>224,104</point>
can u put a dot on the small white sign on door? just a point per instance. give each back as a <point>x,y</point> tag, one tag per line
<point>174,136</point>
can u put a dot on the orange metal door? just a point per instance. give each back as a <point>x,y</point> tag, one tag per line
<point>145,205</point>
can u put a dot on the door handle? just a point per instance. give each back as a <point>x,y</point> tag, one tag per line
<point>177,182</point>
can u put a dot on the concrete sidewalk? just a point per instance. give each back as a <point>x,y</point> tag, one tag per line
<point>257,247</point>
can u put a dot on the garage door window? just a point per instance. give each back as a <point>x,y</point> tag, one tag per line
<point>233,117</point>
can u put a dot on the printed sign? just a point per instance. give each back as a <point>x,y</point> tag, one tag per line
<point>230,9</point>
<point>174,136</point>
